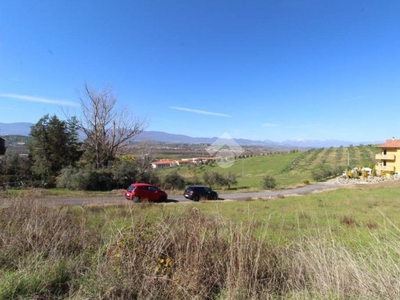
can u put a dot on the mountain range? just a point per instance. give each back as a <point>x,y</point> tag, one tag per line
<point>163,137</point>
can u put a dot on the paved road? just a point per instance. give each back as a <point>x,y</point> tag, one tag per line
<point>180,199</point>
<point>307,189</point>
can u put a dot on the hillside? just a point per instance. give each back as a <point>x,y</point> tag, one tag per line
<point>16,143</point>
<point>288,168</point>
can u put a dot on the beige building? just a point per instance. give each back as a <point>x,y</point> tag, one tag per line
<point>163,163</point>
<point>389,158</point>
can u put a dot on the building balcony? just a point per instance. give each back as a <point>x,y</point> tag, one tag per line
<point>385,168</point>
<point>385,156</point>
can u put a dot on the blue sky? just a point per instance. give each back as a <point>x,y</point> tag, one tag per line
<point>276,70</point>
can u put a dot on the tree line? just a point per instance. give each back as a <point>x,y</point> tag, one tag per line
<point>85,152</point>
<point>81,151</point>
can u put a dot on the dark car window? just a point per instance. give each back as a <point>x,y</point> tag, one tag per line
<point>152,189</point>
<point>130,188</point>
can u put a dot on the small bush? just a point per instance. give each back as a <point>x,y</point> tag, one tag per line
<point>364,174</point>
<point>268,182</point>
<point>348,220</point>
<point>323,172</point>
<point>174,181</point>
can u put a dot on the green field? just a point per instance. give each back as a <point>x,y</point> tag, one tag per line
<point>348,213</point>
<point>288,168</point>
<point>339,244</point>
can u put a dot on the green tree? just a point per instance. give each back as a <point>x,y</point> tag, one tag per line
<point>174,180</point>
<point>230,178</point>
<point>14,169</point>
<point>53,146</point>
<point>210,178</point>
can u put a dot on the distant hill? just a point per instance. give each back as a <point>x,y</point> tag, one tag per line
<point>15,129</point>
<point>15,139</point>
<point>163,137</point>
<point>325,143</point>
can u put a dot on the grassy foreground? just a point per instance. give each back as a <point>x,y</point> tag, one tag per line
<point>341,244</point>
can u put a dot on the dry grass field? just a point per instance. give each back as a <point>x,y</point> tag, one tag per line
<point>340,244</point>
<point>337,244</point>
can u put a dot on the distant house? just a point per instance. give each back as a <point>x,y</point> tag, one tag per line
<point>205,160</point>
<point>387,159</point>
<point>163,163</point>
<point>184,162</point>
<point>2,146</point>
<point>166,163</point>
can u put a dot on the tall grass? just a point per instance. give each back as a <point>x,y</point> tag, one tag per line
<point>60,253</point>
<point>40,250</point>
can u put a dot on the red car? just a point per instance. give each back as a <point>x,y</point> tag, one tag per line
<point>138,192</point>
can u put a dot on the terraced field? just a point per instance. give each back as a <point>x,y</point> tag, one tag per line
<point>288,168</point>
<point>343,156</point>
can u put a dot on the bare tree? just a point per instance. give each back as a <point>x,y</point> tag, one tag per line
<point>144,156</point>
<point>107,128</point>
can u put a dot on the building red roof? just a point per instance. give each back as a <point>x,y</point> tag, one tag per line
<point>391,143</point>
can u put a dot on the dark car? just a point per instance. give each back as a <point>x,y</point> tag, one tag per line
<point>197,192</point>
<point>138,192</point>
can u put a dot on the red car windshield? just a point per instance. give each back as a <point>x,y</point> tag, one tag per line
<point>130,188</point>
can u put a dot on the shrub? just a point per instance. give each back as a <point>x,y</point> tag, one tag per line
<point>319,174</point>
<point>124,173</point>
<point>268,182</point>
<point>86,179</point>
<point>174,180</point>
<point>104,179</point>
<point>364,174</point>
<point>323,172</point>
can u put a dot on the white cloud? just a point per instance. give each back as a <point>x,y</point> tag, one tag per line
<point>353,99</point>
<point>203,112</point>
<point>39,99</point>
